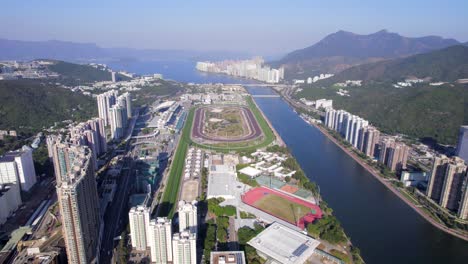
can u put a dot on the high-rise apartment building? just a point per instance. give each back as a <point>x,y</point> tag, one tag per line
<point>18,167</point>
<point>115,110</point>
<point>452,187</point>
<point>188,216</point>
<point>184,248</point>
<point>106,101</point>
<point>462,146</point>
<point>393,154</point>
<point>116,115</point>
<point>128,102</point>
<point>160,234</point>
<point>447,183</point>
<point>92,134</point>
<point>370,138</point>
<point>437,177</point>
<point>139,218</point>
<point>463,208</point>
<point>79,202</point>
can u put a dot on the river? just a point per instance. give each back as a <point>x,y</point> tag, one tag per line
<point>384,228</point>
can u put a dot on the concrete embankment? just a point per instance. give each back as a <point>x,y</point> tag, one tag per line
<point>376,174</point>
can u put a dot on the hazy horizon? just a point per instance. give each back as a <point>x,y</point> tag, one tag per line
<point>260,27</point>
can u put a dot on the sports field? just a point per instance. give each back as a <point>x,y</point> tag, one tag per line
<point>282,208</point>
<point>281,205</point>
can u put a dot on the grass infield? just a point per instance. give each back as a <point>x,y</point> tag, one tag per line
<point>282,208</point>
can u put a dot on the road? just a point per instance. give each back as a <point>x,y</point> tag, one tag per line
<point>113,227</point>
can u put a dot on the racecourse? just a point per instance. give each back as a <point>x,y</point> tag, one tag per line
<point>253,130</point>
<point>252,145</point>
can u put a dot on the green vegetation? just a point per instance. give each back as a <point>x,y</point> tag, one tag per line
<point>300,176</point>
<point>245,179</point>
<point>161,88</point>
<point>244,234</point>
<point>327,228</point>
<point>448,64</point>
<point>122,250</point>
<point>277,149</point>
<point>171,191</point>
<point>210,239</point>
<point>431,113</point>
<point>343,256</point>
<point>222,224</point>
<point>247,215</point>
<point>282,208</point>
<point>30,105</point>
<point>426,112</point>
<point>216,209</point>
<point>356,255</point>
<point>76,74</point>
<point>10,143</point>
<point>42,163</point>
<point>204,183</point>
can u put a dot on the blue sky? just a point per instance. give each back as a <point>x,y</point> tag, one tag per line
<point>263,27</point>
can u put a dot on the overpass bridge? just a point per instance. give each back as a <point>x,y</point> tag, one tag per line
<point>259,85</point>
<point>266,96</point>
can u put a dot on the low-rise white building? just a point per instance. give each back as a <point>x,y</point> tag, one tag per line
<point>18,167</point>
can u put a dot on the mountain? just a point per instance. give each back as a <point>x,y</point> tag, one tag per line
<point>341,50</point>
<point>433,114</point>
<point>28,105</point>
<point>71,51</point>
<point>75,74</point>
<point>448,64</point>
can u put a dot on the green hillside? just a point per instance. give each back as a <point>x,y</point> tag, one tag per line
<point>29,105</point>
<point>430,112</point>
<point>74,74</point>
<point>421,111</point>
<point>161,88</point>
<point>448,64</point>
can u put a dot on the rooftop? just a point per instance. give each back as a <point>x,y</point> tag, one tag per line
<point>284,245</point>
<point>221,184</point>
<point>227,257</point>
<point>138,199</point>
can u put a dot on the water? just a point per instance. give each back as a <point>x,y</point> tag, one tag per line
<point>379,223</point>
<point>182,71</point>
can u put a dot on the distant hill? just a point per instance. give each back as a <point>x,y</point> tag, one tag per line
<point>71,51</point>
<point>341,50</point>
<point>73,74</point>
<point>448,64</point>
<point>430,113</point>
<point>28,105</point>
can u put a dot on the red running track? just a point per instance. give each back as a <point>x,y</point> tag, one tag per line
<point>256,194</point>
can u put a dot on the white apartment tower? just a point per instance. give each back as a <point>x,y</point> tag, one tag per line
<point>188,216</point>
<point>184,248</point>
<point>160,234</point>
<point>139,218</point>
<point>18,167</point>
